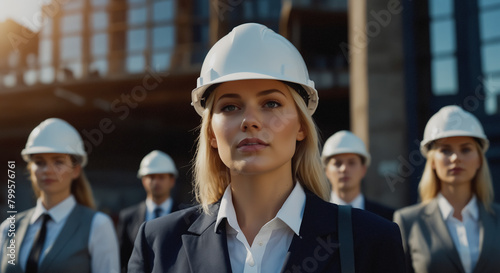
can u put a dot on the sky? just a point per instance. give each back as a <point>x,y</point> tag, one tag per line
<point>22,11</point>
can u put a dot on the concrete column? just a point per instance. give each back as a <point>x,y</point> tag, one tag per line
<point>377,95</point>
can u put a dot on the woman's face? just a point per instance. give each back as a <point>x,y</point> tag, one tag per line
<point>456,160</point>
<point>255,125</point>
<point>53,173</point>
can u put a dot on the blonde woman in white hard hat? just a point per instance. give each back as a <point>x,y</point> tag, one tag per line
<point>346,160</point>
<point>158,173</point>
<point>63,233</point>
<point>456,227</point>
<point>258,175</point>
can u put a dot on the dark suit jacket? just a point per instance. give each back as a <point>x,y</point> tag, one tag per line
<point>428,244</point>
<point>379,209</point>
<point>186,241</point>
<point>129,221</point>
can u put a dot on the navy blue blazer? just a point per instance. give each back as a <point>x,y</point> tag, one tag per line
<point>186,241</point>
<point>129,222</point>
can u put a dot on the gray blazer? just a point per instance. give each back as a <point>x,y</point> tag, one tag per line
<point>428,244</point>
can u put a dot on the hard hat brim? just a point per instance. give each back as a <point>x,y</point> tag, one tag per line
<point>424,145</point>
<point>197,93</point>
<point>48,150</point>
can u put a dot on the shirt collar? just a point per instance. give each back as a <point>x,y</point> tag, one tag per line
<point>447,210</point>
<point>291,212</point>
<point>165,206</point>
<point>57,213</point>
<point>358,202</point>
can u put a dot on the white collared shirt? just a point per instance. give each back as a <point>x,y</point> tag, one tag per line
<point>103,243</point>
<point>166,207</point>
<point>465,233</point>
<point>358,202</point>
<point>270,246</point>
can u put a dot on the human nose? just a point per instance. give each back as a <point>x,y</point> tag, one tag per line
<point>454,157</point>
<point>342,167</point>
<point>251,119</point>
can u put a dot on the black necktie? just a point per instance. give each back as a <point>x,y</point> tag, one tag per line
<point>158,212</point>
<point>36,250</point>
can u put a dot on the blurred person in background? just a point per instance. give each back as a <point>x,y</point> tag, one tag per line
<point>63,233</point>
<point>158,173</point>
<point>346,160</point>
<point>456,227</point>
<point>258,176</point>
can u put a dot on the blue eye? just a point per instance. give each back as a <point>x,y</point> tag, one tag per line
<point>229,108</point>
<point>272,104</point>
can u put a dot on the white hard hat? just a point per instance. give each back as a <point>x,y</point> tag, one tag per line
<point>253,51</point>
<point>452,121</point>
<point>54,135</point>
<point>157,162</point>
<point>345,142</point>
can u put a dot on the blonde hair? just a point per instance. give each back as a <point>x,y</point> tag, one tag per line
<point>80,186</point>
<point>481,185</point>
<point>211,176</point>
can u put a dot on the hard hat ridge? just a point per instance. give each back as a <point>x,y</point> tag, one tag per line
<point>157,162</point>
<point>452,121</point>
<point>253,51</point>
<point>55,135</point>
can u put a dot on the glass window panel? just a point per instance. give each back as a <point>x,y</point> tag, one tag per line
<point>136,1</point>
<point>72,5</point>
<point>47,26</point>
<point>136,40</point>
<point>71,48</point>
<point>161,61</point>
<point>492,90</point>
<point>440,7</point>
<point>71,23</point>
<point>163,10</point>
<point>484,3</point>
<point>100,67</point>
<point>99,44</point>
<point>442,37</point>
<point>491,58</point>
<point>137,16</point>
<point>135,63</point>
<point>97,3</point>
<point>70,70</point>
<point>489,23</point>
<point>29,77</point>
<point>444,76</point>
<point>200,34</point>
<point>47,74</point>
<point>100,20</point>
<point>248,10</point>
<point>45,51</point>
<point>201,8</point>
<point>263,7</point>
<point>163,37</point>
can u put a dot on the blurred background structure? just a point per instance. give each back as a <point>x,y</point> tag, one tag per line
<point>121,72</point>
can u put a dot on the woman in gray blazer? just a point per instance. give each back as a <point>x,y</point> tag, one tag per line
<point>456,227</point>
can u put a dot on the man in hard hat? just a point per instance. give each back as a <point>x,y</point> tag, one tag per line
<point>158,173</point>
<point>346,160</point>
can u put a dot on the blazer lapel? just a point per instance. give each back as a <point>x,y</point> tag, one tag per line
<point>206,249</point>
<point>318,241</point>
<point>488,237</point>
<point>22,228</point>
<point>435,222</point>
<point>139,218</point>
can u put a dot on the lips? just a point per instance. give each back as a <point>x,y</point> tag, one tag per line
<point>251,144</point>
<point>456,170</point>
